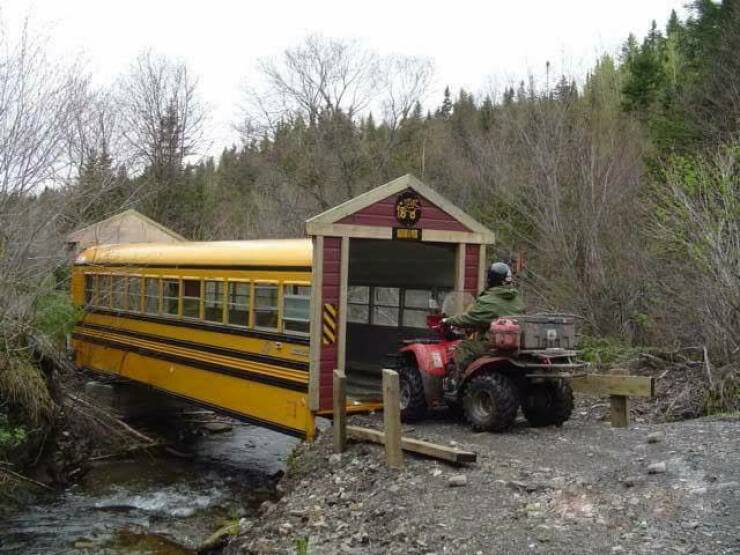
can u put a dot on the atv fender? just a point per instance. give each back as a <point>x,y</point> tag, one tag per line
<point>430,360</point>
<point>479,364</point>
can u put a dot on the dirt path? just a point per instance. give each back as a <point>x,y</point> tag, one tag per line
<point>582,488</point>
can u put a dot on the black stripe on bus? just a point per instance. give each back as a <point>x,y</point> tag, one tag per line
<point>201,365</point>
<point>216,408</point>
<point>254,357</point>
<point>200,325</point>
<point>244,267</point>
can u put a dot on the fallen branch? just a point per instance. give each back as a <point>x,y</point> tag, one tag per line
<point>26,479</point>
<point>113,419</point>
<point>126,452</point>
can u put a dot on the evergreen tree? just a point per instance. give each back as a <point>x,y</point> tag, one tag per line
<point>445,110</point>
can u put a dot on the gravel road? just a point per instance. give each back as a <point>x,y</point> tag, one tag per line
<point>582,488</point>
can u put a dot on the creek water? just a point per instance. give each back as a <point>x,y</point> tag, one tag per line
<point>153,505</point>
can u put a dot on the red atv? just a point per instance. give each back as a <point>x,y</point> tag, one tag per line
<point>529,362</point>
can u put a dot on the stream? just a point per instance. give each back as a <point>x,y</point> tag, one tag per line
<point>154,505</point>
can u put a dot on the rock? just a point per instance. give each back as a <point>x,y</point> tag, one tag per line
<point>617,549</point>
<point>285,528</point>
<point>267,507</point>
<point>457,480</point>
<point>630,481</point>
<point>216,427</point>
<point>393,488</point>
<point>335,458</point>
<point>657,468</point>
<point>655,437</point>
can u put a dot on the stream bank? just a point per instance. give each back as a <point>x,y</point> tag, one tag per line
<point>153,504</point>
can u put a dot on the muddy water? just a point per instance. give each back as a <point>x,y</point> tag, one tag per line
<point>163,505</point>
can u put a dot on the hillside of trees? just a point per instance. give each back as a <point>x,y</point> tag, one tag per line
<point>621,190</point>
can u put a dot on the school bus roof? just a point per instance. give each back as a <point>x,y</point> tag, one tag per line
<point>268,253</point>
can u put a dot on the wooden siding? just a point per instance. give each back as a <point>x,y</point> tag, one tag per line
<point>472,264</point>
<point>329,294</point>
<point>382,214</point>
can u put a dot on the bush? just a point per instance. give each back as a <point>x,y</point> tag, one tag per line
<point>55,315</point>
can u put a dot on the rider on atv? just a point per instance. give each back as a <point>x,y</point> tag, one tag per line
<point>499,299</point>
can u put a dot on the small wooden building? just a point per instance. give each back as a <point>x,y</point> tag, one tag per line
<point>129,226</point>
<point>379,260</point>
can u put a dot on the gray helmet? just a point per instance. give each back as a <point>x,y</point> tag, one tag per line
<point>499,274</point>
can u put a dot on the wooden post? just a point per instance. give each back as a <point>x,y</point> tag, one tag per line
<point>340,411</point>
<point>392,419</point>
<point>620,405</point>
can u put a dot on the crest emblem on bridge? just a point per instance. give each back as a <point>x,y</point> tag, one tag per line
<point>408,208</point>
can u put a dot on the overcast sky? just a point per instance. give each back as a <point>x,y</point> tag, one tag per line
<point>473,44</point>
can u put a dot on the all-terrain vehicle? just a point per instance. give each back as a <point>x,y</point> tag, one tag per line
<point>529,362</point>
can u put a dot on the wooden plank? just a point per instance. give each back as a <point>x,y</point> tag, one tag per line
<point>392,419</point>
<point>619,405</point>
<point>340,411</point>
<point>460,268</point>
<point>619,411</point>
<point>418,446</point>
<point>482,269</point>
<point>380,232</point>
<point>317,278</point>
<point>343,286</point>
<point>609,384</point>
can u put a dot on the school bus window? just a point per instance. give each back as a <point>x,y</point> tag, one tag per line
<point>358,304</point>
<point>90,280</point>
<point>133,293</point>
<point>214,301</point>
<point>119,292</point>
<point>237,312</point>
<point>385,306</point>
<point>266,306</point>
<point>104,291</point>
<point>171,297</point>
<point>296,309</point>
<point>191,298</point>
<point>151,295</point>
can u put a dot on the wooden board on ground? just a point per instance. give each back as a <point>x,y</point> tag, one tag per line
<point>418,446</point>
<point>610,384</point>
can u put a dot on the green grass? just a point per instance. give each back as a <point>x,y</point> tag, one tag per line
<point>603,352</point>
<point>301,546</point>
<point>11,435</point>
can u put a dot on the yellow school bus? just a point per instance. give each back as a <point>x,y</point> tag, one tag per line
<point>221,324</point>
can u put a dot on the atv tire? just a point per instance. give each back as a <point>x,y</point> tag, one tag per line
<point>490,402</point>
<point>413,400</point>
<point>548,404</point>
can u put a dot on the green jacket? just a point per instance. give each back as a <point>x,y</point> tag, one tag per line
<point>492,303</point>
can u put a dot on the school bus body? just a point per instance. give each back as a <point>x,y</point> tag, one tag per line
<point>221,324</point>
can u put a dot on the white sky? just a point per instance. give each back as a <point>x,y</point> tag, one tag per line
<point>473,44</point>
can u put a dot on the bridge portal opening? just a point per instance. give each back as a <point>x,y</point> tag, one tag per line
<point>390,288</point>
